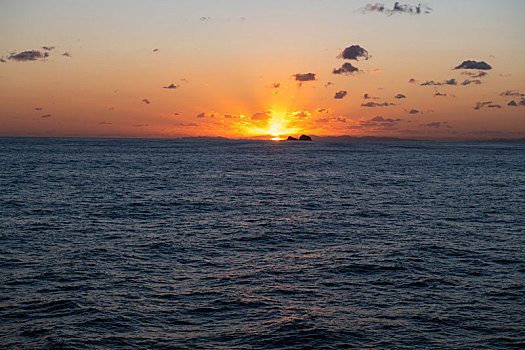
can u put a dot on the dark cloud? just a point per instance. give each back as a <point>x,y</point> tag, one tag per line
<point>369,97</point>
<point>398,8</point>
<point>374,104</point>
<point>522,102</point>
<point>412,111</point>
<point>205,18</point>
<point>171,86</point>
<point>146,101</point>
<point>439,94</point>
<point>66,54</point>
<point>155,50</point>
<point>430,83</point>
<point>340,94</point>
<point>334,119</point>
<point>436,125</point>
<point>480,105</point>
<point>185,124</point>
<point>512,93</point>
<point>48,48</point>
<point>481,65</point>
<point>512,104</point>
<point>354,52</point>
<point>494,106</point>
<point>399,96</point>
<point>104,123</point>
<point>262,116</point>
<point>2,59</point>
<point>276,85</point>
<point>140,125</point>
<point>31,55</point>
<point>412,81</point>
<point>479,74</point>
<point>378,122</point>
<point>451,81</point>
<point>328,84</point>
<point>473,81</point>
<point>201,115</point>
<point>322,110</point>
<point>38,108</point>
<point>346,68</point>
<point>46,116</point>
<point>304,77</point>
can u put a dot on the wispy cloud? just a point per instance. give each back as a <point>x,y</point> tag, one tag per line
<point>451,81</point>
<point>479,74</point>
<point>45,116</point>
<point>374,104</point>
<point>437,125</point>
<point>473,81</point>
<point>397,8</point>
<point>488,104</point>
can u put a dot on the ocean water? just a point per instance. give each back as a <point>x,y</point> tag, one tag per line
<point>217,244</point>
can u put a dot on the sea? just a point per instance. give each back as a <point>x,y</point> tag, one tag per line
<point>243,244</point>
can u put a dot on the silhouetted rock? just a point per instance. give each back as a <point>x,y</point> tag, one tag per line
<point>291,138</point>
<point>305,138</point>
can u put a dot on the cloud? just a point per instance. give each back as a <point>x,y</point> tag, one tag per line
<point>374,104</point>
<point>155,50</point>
<point>321,110</point>
<point>66,54</point>
<point>479,74</point>
<point>412,111</point>
<point>340,94</point>
<point>451,81</point>
<point>369,97</point>
<point>398,8</point>
<point>412,81</point>
<point>437,125</point>
<point>31,55</point>
<point>333,119</point>
<point>140,125</point>
<point>354,52</point>
<point>262,116</point>
<point>439,94</point>
<point>468,64</point>
<point>346,68</point>
<point>146,101</point>
<point>2,59</point>
<point>378,122</point>
<point>171,86</point>
<point>494,106</point>
<point>185,124</point>
<point>473,81</point>
<point>302,77</point>
<point>480,105</point>
<point>399,96</point>
<point>48,48</point>
<point>328,84</point>
<point>276,85</point>
<point>104,123</point>
<point>46,116</point>
<point>375,70</point>
<point>38,108</point>
<point>512,93</point>
<point>205,18</point>
<point>512,104</point>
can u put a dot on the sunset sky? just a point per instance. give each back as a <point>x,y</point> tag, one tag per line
<point>262,69</point>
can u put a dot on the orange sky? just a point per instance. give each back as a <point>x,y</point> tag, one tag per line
<point>233,67</point>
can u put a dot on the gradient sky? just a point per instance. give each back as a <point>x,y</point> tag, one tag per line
<point>232,63</point>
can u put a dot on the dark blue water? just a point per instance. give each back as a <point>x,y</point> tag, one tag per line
<point>134,244</point>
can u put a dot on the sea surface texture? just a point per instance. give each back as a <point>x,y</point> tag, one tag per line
<point>217,244</point>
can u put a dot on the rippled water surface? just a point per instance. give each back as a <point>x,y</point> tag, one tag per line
<point>251,244</point>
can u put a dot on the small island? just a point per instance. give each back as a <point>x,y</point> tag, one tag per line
<point>301,138</point>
